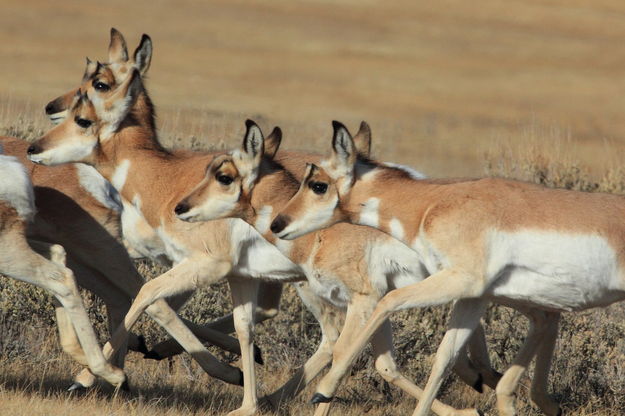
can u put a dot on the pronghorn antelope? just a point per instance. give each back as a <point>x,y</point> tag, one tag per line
<point>109,134</point>
<point>515,243</point>
<point>19,261</point>
<point>79,209</point>
<point>142,236</point>
<point>248,183</point>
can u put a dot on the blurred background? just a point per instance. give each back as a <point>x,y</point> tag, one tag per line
<point>442,83</point>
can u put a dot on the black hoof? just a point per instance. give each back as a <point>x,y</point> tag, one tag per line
<point>125,386</point>
<point>479,412</point>
<point>152,355</point>
<point>258,356</point>
<point>320,398</point>
<point>240,382</point>
<point>479,384</point>
<point>76,387</point>
<point>142,347</point>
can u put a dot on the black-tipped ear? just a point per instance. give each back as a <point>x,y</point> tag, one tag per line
<point>253,143</point>
<point>272,142</point>
<point>362,139</point>
<point>143,54</point>
<point>118,52</point>
<point>342,143</point>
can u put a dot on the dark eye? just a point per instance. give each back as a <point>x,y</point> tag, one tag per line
<point>224,179</point>
<point>100,86</point>
<point>83,122</point>
<point>319,188</point>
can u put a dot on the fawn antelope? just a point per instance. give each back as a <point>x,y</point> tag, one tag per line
<point>515,243</point>
<point>250,184</point>
<point>109,134</point>
<point>79,209</point>
<point>19,261</point>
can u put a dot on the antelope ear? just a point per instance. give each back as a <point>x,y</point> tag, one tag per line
<point>362,139</point>
<point>143,54</point>
<point>344,150</point>
<point>90,69</point>
<point>272,142</point>
<point>253,142</point>
<point>118,52</point>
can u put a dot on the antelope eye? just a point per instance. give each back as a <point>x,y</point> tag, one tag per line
<point>100,86</point>
<point>83,122</point>
<point>224,179</point>
<point>319,188</point>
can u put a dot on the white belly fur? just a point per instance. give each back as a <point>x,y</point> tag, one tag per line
<point>553,270</point>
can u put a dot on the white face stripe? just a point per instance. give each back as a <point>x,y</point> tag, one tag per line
<point>369,213</point>
<point>213,208</point>
<point>73,149</point>
<point>397,229</point>
<point>311,220</point>
<point>120,175</point>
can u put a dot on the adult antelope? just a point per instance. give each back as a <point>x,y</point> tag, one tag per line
<point>248,183</point>
<point>110,134</point>
<point>19,261</point>
<point>489,239</point>
<point>79,209</point>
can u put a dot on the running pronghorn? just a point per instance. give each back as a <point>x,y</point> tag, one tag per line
<point>248,183</point>
<point>489,239</point>
<point>79,209</point>
<point>117,136</point>
<point>19,261</point>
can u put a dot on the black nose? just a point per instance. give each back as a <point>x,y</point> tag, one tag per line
<point>181,208</point>
<point>279,223</point>
<point>50,108</point>
<point>33,149</point>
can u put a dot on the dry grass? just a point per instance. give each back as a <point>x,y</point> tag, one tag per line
<point>587,372</point>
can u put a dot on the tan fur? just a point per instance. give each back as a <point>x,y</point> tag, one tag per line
<point>315,252</point>
<point>450,224</point>
<point>158,179</point>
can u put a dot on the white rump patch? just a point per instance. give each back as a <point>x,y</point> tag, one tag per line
<point>16,188</point>
<point>101,189</point>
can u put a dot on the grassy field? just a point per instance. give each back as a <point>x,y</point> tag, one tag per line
<point>531,90</point>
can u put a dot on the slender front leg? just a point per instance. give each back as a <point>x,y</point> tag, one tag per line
<point>544,355</point>
<point>244,296</point>
<point>382,343</point>
<point>511,378</point>
<point>440,288</point>
<point>479,357</point>
<point>268,307</point>
<point>186,276</point>
<point>465,317</point>
<point>329,318</point>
